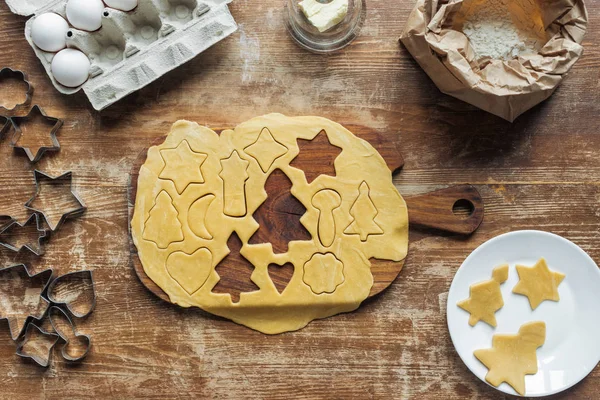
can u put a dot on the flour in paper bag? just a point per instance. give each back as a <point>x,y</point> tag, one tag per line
<point>502,29</point>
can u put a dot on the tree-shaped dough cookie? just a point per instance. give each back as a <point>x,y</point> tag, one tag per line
<point>485,298</point>
<point>513,356</point>
<point>538,283</point>
<point>364,212</point>
<point>162,226</point>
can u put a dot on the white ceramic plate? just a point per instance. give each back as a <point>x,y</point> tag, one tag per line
<point>572,347</point>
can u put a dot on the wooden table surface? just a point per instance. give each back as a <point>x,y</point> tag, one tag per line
<point>541,172</point>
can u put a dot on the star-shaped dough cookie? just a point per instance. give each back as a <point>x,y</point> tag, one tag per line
<point>485,298</point>
<point>179,166</point>
<point>513,356</point>
<point>538,283</point>
<point>266,149</point>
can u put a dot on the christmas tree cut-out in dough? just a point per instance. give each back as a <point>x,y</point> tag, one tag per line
<point>485,298</point>
<point>513,356</point>
<point>538,283</point>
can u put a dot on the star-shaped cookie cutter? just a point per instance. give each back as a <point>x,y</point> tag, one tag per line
<point>17,122</point>
<point>42,235</point>
<point>28,318</point>
<point>41,176</point>
<point>20,75</point>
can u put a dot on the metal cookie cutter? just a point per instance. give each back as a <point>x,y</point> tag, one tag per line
<point>34,329</point>
<point>37,250</point>
<point>67,176</point>
<point>5,125</point>
<point>16,332</point>
<point>17,122</point>
<point>83,279</point>
<point>55,314</point>
<point>7,73</point>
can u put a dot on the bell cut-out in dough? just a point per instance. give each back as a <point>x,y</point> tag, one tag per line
<point>513,356</point>
<point>162,226</point>
<point>363,212</point>
<point>190,270</point>
<point>323,273</point>
<point>272,220</point>
<point>538,283</point>
<point>234,175</point>
<point>266,150</point>
<point>197,215</point>
<point>182,166</point>
<point>485,298</point>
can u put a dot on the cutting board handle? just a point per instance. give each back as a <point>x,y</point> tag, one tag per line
<point>457,209</point>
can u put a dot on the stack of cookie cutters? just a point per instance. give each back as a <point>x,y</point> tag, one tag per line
<point>38,250</point>
<point>59,312</point>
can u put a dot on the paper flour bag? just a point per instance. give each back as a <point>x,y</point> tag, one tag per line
<point>503,56</point>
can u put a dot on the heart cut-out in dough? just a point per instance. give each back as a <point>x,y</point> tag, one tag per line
<point>190,270</point>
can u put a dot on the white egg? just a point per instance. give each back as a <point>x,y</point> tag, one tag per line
<point>71,67</point>
<point>123,5</point>
<point>49,32</point>
<point>85,14</point>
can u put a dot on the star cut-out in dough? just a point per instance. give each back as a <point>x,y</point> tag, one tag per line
<point>485,298</point>
<point>538,283</point>
<point>513,356</point>
<point>179,166</point>
<point>266,149</point>
<point>323,164</point>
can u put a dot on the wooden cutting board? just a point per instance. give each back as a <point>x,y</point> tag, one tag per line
<point>436,210</point>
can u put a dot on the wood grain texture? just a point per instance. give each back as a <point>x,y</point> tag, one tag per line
<point>542,172</point>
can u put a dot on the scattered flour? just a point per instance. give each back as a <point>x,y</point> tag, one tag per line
<point>496,33</point>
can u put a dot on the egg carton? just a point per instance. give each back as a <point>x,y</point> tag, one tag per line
<point>134,48</point>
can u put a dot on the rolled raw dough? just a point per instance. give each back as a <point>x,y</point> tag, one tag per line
<point>184,215</point>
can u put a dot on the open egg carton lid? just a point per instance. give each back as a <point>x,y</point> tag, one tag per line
<point>134,48</point>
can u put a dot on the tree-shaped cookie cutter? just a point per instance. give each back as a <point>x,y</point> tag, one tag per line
<point>7,73</point>
<point>41,237</point>
<point>17,122</point>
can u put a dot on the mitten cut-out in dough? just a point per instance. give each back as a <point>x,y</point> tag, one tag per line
<point>182,243</point>
<point>486,298</point>
<point>538,283</point>
<point>513,356</point>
